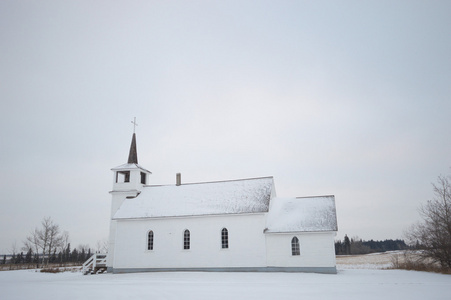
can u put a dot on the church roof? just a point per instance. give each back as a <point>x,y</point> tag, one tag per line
<point>196,199</point>
<point>302,214</point>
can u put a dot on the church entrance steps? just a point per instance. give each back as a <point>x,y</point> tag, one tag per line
<point>96,264</point>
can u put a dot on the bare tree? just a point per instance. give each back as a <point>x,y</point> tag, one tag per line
<point>357,246</point>
<point>102,246</point>
<point>47,238</point>
<point>84,252</point>
<point>32,242</point>
<point>433,233</point>
<point>64,243</point>
<point>14,248</point>
<point>54,236</point>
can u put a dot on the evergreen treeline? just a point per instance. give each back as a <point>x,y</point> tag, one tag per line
<point>386,245</point>
<point>356,245</point>
<point>74,256</point>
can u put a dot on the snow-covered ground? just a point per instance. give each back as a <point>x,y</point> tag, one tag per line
<point>349,284</point>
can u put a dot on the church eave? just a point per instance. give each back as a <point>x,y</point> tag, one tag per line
<point>194,216</point>
<point>127,166</point>
<point>125,191</point>
<point>266,231</point>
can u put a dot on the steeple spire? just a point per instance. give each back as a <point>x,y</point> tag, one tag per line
<point>133,155</point>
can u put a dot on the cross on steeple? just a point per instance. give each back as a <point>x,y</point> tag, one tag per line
<point>134,124</point>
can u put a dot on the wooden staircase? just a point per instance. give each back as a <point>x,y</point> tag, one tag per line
<point>96,264</point>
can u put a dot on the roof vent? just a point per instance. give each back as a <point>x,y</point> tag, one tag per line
<point>178,179</point>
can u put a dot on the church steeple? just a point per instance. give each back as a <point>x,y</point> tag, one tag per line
<point>129,181</point>
<point>130,176</point>
<point>133,155</point>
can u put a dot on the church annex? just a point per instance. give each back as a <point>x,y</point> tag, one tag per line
<point>234,225</point>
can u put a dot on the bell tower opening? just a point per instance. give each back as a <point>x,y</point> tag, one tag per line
<point>143,178</point>
<point>122,176</point>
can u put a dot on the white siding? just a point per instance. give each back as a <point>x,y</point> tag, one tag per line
<point>246,242</point>
<point>117,199</point>
<point>317,249</point>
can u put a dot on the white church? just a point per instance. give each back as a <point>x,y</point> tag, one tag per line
<point>234,225</point>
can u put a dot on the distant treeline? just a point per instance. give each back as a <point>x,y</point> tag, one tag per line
<point>356,245</point>
<point>67,255</point>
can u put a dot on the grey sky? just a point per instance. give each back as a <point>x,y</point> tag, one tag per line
<point>348,98</point>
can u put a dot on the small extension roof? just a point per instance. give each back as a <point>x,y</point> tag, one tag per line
<point>302,215</point>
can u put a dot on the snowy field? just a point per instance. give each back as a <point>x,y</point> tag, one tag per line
<point>369,261</point>
<point>349,284</point>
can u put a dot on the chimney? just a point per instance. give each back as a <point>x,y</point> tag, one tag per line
<point>178,179</point>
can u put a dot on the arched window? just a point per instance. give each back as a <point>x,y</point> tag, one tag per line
<point>186,240</point>
<point>224,238</point>
<point>150,240</point>
<point>295,246</point>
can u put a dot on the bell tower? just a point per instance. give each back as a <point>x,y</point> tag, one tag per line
<point>128,181</point>
<point>130,177</point>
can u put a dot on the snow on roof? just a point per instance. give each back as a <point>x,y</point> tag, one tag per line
<point>302,214</point>
<point>128,167</point>
<point>210,198</point>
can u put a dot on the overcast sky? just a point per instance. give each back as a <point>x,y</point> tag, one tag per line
<point>350,98</point>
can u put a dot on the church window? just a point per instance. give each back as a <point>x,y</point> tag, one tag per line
<point>224,238</point>
<point>143,178</point>
<point>186,240</point>
<point>150,240</point>
<point>122,176</point>
<point>295,246</point>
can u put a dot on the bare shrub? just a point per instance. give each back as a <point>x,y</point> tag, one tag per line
<point>415,261</point>
<point>433,233</point>
<point>58,270</point>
